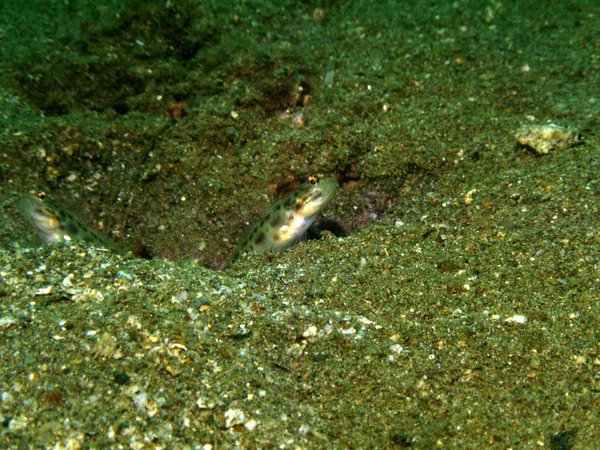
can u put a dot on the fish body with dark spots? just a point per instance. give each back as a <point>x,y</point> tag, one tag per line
<point>289,218</point>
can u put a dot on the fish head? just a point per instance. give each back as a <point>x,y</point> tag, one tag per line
<point>45,218</point>
<point>314,196</point>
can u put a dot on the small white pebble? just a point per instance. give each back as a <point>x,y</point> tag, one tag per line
<point>304,429</point>
<point>203,403</point>
<point>251,425</point>
<point>18,423</point>
<point>234,417</point>
<point>396,348</point>
<point>67,282</point>
<point>44,291</point>
<point>140,400</point>
<point>310,331</point>
<point>6,322</point>
<point>517,318</point>
<point>6,397</point>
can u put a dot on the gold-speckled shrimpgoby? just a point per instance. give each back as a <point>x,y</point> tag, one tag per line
<point>56,223</point>
<point>289,218</point>
<point>283,226</point>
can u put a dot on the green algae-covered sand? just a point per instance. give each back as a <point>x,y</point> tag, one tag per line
<point>451,299</point>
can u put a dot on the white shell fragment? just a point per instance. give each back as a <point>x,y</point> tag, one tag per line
<point>546,138</point>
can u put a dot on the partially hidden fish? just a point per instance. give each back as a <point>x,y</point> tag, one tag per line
<point>55,223</point>
<point>289,218</point>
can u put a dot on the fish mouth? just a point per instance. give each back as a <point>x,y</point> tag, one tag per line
<point>315,196</point>
<point>327,187</point>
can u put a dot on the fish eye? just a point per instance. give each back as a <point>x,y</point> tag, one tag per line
<point>40,195</point>
<point>313,180</point>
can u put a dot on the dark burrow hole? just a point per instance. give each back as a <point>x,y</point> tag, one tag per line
<point>315,231</point>
<point>121,108</point>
